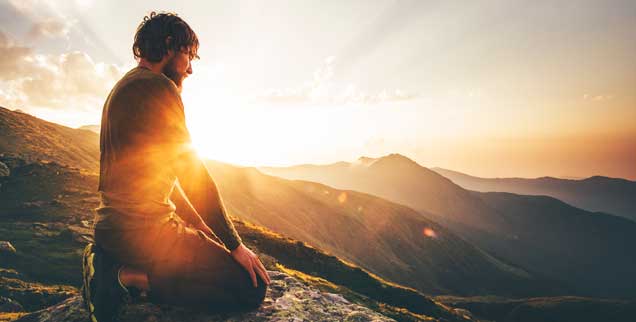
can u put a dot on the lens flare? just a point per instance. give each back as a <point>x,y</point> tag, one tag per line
<point>342,198</point>
<point>429,232</point>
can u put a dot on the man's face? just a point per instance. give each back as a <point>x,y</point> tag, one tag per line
<point>179,66</point>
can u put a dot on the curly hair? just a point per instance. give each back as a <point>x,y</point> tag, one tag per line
<point>160,32</point>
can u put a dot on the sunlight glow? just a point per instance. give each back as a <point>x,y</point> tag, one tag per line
<point>428,232</point>
<point>342,198</point>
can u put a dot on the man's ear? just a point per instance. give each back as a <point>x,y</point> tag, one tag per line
<point>169,45</point>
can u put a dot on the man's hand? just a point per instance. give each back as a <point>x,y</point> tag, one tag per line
<point>246,258</point>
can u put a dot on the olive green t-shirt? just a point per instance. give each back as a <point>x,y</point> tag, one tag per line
<point>143,134</point>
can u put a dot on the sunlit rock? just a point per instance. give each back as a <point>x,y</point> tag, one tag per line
<point>287,300</point>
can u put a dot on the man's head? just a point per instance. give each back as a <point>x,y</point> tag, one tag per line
<point>166,40</point>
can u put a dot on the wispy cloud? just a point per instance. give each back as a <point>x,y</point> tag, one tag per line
<point>321,89</point>
<point>50,28</point>
<point>598,97</point>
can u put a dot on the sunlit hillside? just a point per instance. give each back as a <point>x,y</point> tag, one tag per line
<point>46,212</point>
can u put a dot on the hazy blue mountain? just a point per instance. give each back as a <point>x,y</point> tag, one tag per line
<point>610,195</point>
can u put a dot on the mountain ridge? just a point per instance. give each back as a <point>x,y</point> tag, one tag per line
<point>516,227</point>
<point>595,193</point>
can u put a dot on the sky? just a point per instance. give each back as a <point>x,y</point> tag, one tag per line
<point>490,88</point>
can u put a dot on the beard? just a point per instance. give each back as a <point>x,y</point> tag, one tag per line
<point>171,72</point>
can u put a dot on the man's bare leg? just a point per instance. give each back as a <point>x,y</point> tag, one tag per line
<point>129,276</point>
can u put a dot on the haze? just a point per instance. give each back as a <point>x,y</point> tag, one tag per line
<point>490,88</point>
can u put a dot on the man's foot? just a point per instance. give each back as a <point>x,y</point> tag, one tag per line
<point>103,294</point>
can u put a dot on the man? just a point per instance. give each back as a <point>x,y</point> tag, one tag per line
<point>141,244</point>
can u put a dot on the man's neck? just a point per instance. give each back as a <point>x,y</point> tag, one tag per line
<point>154,67</point>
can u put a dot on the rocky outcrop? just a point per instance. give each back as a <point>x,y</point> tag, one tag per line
<point>287,300</point>
<point>4,170</point>
<point>31,295</point>
<point>6,247</point>
<point>10,305</point>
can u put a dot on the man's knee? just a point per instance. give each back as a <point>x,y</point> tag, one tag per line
<point>254,296</point>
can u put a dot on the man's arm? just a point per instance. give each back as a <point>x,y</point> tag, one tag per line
<point>184,208</point>
<point>186,211</point>
<point>203,194</point>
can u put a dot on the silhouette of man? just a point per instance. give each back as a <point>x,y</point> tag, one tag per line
<point>141,244</point>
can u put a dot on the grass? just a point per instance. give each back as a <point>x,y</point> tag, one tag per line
<point>11,316</point>
<point>330,273</point>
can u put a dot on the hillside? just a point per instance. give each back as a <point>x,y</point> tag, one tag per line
<point>591,250</point>
<point>389,239</point>
<point>35,139</point>
<point>588,251</point>
<point>610,195</point>
<point>46,213</point>
<point>561,309</point>
<point>401,180</point>
<point>48,216</point>
<point>91,127</point>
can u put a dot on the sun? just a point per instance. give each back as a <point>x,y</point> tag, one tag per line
<point>240,134</point>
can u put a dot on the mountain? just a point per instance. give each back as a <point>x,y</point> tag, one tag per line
<point>402,180</point>
<point>35,139</point>
<point>91,127</point>
<point>588,251</point>
<point>591,250</point>
<point>562,309</point>
<point>46,213</point>
<point>610,195</point>
<point>388,239</point>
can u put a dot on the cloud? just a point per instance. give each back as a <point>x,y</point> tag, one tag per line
<point>24,6</point>
<point>598,97</point>
<point>69,81</point>
<point>12,56</point>
<point>50,28</point>
<point>322,89</point>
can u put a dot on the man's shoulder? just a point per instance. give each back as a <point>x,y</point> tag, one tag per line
<point>143,81</point>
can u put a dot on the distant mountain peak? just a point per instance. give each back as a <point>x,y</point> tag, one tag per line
<point>91,127</point>
<point>366,160</point>
<point>393,157</point>
<point>396,156</point>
